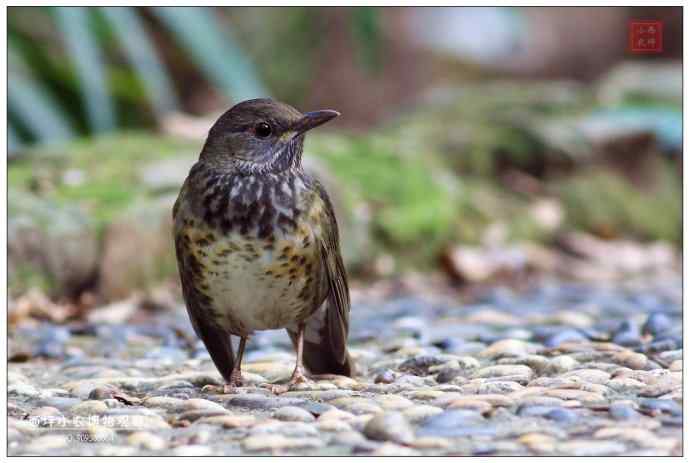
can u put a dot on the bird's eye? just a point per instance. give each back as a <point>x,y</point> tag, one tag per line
<point>262,130</point>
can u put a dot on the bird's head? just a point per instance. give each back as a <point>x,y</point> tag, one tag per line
<point>261,135</point>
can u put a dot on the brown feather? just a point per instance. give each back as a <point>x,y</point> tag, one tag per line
<point>330,355</point>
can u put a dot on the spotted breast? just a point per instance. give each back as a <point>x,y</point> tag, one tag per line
<point>251,245</point>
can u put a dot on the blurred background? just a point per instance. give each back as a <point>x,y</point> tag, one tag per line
<point>477,145</point>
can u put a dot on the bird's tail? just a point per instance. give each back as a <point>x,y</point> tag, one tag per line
<point>325,344</point>
<point>320,361</point>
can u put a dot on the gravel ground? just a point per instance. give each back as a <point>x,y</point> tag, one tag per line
<point>558,369</point>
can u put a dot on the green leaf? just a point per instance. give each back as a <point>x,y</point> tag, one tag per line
<point>140,52</point>
<point>215,51</point>
<point>33,106</point>
<point>90,65</point>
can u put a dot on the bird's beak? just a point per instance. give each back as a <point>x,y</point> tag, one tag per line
<point>313,119</point>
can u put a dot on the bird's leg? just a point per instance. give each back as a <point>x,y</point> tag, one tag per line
<point>236,374</point>
<point>298,373</point>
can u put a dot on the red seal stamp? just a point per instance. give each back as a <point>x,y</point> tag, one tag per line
<point>646,36</point>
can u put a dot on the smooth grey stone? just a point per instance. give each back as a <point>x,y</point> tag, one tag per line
<point>568,335</point>
<point>657,323</point>
<point>456,423</point>
<point>420,365</point>
<point>262,402</point>
<point>622,412</point>
<point>663,405</point>
<point>390,426</point>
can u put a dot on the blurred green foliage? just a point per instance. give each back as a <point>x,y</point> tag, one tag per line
<point>109,165</point>
<point>81,70</point>
<point>93,69</point>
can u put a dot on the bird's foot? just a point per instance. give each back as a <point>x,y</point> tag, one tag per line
<point>235,379</point>
<point>227,388</point>
<point>297,378</point>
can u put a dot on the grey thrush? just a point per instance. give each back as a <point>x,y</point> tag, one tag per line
<point>257,243</point>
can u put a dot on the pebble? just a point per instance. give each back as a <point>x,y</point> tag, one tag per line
<point>590,448</point>
<point>169,404</point>
<point>385,377</point>
<point>357,405</point>
<point>293,414</point>
<point>146,440</point>
<point>390,426</point>
<point>290,429</point>
<point>456,423</point>
<point>562,363</point>
<point>588,376</point>
<point>623,411</point>
<point>22,389</point>
<point>493,387</point>
<point>194,415</point>
<point>45,411</point>
<point>507,347</point>
<point>46,444</point>
<point>418,413</point>
<point>336,414</point>
<point>538,442</point>
<point>274,442</point>
<point>672,355</point>
<point>568,335</point>
<point>430,443</point>
<point>448,374</point>
<point>640,436</point>
<point>630,359</point>
<point>522,372</point>
<point>393,402</point>
<point>89,407</point>
<point>420,365</point>
<point>558,414</point>
<point>657,323</point>
<point>471,404</point>
<point>575,394</point>
<point>105,450</point>
<point>203,404</point>
<point>627,334</point>
<point>144,422</point>
<point>333,426</point>
<point>229,421</point>
<point>389,449</point>
<point>192,451</point>
<point>101,433</point>
<point>662,405</point>
<point>261,402</point>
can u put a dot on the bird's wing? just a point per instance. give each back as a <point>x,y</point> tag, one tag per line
<point>216,340</point>
<point>325,345</point>
<point>338,315</point>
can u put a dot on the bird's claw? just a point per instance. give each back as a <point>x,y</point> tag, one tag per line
<point>297,378</point>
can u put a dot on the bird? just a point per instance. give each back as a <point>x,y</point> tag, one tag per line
<point>257,244</point>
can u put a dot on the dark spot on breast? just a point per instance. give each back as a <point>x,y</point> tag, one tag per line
<point>286,223</point>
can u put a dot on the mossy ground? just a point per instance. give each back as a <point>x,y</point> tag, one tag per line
<point>109,165</point>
